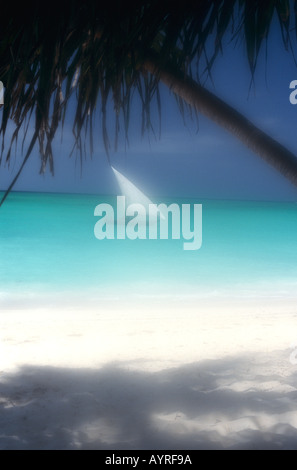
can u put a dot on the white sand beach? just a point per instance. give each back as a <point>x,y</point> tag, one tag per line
<point>164,375</point>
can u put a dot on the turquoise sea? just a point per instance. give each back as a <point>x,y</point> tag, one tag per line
<point>48,247</point>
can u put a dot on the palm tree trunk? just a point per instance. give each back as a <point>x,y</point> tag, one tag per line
<point>217,110</point>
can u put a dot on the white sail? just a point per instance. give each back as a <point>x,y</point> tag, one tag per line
<point>134,195</point>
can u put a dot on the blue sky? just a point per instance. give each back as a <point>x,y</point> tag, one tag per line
<point>209,163</point>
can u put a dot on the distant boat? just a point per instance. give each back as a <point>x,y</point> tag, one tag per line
<point>134,195</point>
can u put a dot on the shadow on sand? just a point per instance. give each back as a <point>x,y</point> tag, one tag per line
<point>235,403</point>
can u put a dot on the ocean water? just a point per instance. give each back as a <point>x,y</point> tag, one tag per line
<point>48,248</point>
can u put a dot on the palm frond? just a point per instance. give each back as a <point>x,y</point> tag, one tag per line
<point>94,51</point>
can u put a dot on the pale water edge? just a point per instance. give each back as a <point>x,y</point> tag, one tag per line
<point>48,251</point>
